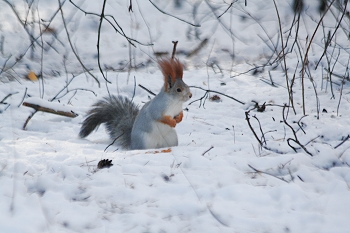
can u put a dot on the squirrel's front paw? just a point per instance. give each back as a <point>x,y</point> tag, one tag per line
<point>179,117</point>
<point>168,120</point>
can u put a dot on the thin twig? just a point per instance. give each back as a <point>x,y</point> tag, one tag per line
<point>28,119</point>
<point>319,136</point>
<point>330,38</point>
<point>174,50</point>
<point>13,8</point>
<point>207,150</point>
<point>5,98</point>
<point>71,45</point>
<point>284,59</point>
<point>341,93</point>
<point>296,140</point>
<point>98,41</point>
<point>76,89</point>
<point>119,30</point>
<point>33,39</point>
<point>251,128</point>
<point>149,91</point>
<point>300,125</point>
<point>217,92</point>
<point>315,91</point>
<point>130,6</point>
<point>263,139</point>
<point>41,77</point>
<point>306,57</point>
<point>227,9</point>
<point>226,28</point>
<point>66,86</point>
<point>114,141</point>
<point>345,139</point>
<point>24,96</point>
<point>266,173</point>
<point>133,94</point>
<point>194,25</point>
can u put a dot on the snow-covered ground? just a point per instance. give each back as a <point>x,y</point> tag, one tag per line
<point>218,179</point>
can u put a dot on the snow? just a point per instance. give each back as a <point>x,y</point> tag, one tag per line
<point>54,106</point>
<point>49,181</point>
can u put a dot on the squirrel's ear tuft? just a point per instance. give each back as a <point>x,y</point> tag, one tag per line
<point>178,68</point>
<point>171,69</point>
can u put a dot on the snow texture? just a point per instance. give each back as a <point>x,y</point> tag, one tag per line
<point>219,179</point>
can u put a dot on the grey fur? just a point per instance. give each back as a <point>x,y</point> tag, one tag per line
<point>165,103</point>
<point>149,128</point>
<point>118,113</point>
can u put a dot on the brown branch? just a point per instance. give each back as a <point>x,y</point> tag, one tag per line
<point>330,38</point>
<point>28,119</point>
<point>296,140</point>
<point>149,91</point>
<point>31,37</point>
<point>266,173</point>
<point>49,110</point>
<point>217,92</point>
<point>284,59</point>
<point>227,9</point>
<point>5,98</point>
<point>207,150</point>
<point>306,57</point>
<point>174,49</point>
<point>345,139</point>
<point>130,6</point>
<point>251,128</point>
<point>263,139</point>
<point>72,47</point>
<point>160,10</point>
<point>99,38</point>
<point>117,28</point>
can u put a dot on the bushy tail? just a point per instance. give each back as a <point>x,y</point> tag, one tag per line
<point>118,113</point>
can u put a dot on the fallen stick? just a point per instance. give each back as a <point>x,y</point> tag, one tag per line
<point>50,110</point>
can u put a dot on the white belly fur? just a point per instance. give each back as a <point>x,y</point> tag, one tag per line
<point>161,136</point>
<point>174,110</point>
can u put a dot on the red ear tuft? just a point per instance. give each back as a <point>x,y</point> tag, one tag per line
<point>167,69</point>
<point>178,68</point>
<point>171,69</point>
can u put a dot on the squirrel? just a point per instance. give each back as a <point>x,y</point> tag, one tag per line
<point>151,127</point>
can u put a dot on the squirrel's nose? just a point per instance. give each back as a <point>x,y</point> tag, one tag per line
<point>190,95</point>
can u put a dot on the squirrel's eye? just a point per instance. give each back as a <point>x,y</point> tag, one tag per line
<point>178,90</point>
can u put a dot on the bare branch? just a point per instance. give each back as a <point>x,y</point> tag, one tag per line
<point>266,173</point>
<point>194,25</point>
<point>306,56</point>
<point>50,110</point>
<point>217,92</point>
<point>118,29</point>
<point>207,150</point>
<point>284,59</point>
<point>174,50</point>
<point>5,98</point>
<point>296,140</point>
<point>227,9</point>
<point>149,91</point>
<point>98,41</point>
<point>130,6</point>
<point>251,128</point>
<point>344,140</point>
<point>71,45</point>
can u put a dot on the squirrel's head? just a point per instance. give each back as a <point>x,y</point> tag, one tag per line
<point>172,70</point>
